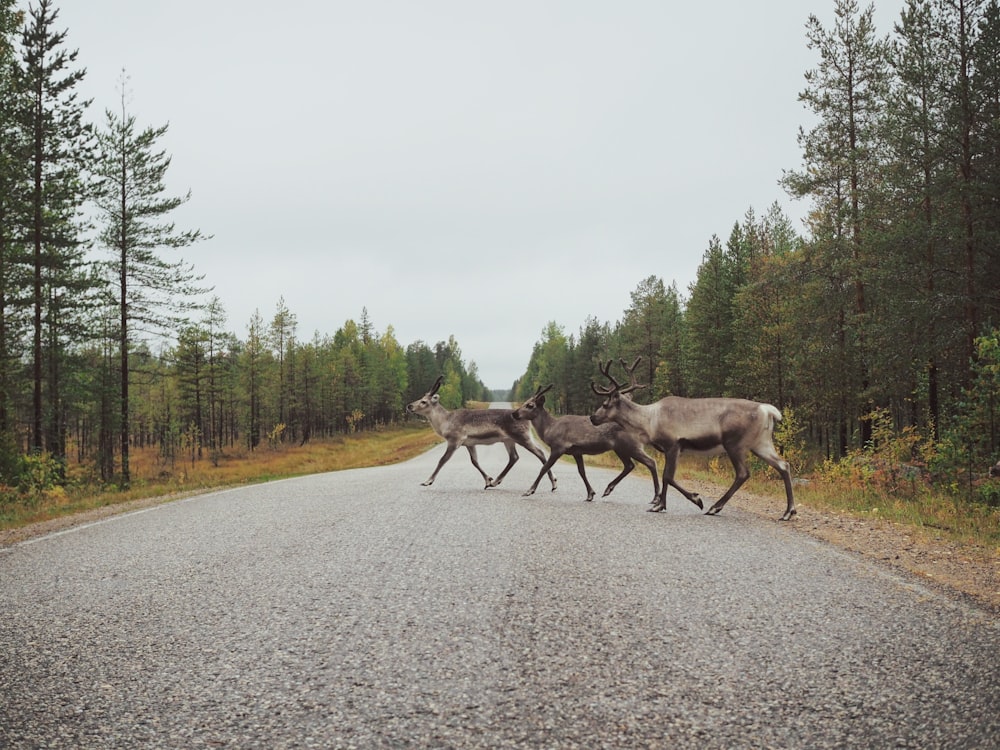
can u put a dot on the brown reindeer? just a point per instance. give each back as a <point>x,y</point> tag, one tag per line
<point>577,437</point>
<point>733,426</point>
<point>472,427</point>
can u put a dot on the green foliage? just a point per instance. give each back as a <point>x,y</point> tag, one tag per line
<point>11,461</point>
<point>450,392</point>
<point>988,493</point>
<point>77,328</point>
<point>41,472</point>
<point>709,320</point>
<point>970,443</point>
<point>789,439</point>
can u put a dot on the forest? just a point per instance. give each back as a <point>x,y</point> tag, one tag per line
<point>875,326</point>
<point>880,326</point>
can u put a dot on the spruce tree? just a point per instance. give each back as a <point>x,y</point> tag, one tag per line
<point>59,151</point>
<point>153,293</point>
<point>844,159</point>
<point>13,188</point>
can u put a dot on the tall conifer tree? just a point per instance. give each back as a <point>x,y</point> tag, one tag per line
<point>154,293</point>
<point>843,156</point>
<point>59,150</point>
<point>13,179</point>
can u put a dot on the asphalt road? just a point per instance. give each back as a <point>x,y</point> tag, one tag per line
<point>359,609</point>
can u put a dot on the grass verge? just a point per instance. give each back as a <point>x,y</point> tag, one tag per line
<point>153,477</point>
<point>913,506</point>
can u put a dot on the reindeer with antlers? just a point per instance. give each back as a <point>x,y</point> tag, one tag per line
<point>733,426</point>
<point>472,427</point>
<point>577,437</point>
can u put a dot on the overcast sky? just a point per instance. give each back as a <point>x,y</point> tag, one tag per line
<point>463,168</point>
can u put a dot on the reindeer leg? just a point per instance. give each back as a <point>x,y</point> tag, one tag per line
<point>444,459</point>
<point>780,465</point>
<point>742,475</point>
<point>512,459</point>
<point>583,476</point>
<point>545,467</point>
<point>530,446</point>
<point>650,464</point>
<point>475,462</point>
<point>628,465</point>
<point>669,468</point>
<point>790,510</point>
<point>694,497</point>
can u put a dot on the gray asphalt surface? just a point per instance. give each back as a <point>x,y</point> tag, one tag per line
<point>361,610</point>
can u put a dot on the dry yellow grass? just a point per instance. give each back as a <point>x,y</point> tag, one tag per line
<point>152,477</point>
<point>963,523</point>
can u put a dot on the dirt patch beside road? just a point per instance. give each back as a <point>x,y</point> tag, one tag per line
<point>970,570</point>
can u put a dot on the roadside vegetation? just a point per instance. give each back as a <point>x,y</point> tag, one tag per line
<point>155,477</point>
<point>856,489</point>
<point>896,478</point>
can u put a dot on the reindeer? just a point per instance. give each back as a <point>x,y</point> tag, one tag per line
<point>577,437</point>
<point>995,470</point>
<point>701,425</point>
<point>472,427</point>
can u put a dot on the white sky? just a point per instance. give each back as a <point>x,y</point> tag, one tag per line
<point>457,167</point>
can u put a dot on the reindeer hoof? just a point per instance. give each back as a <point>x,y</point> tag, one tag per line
<point>428,483</point>
<point>789,515</point>
<point>697,501</point>
<point>713,511</point>
<point>590,498</point>
<point>529,493</point>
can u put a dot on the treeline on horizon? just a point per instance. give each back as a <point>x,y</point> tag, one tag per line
<point>884,314</point>
<point>102,354</point>
<point>881,325</point>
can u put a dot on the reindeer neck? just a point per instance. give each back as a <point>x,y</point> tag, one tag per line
<point>639,417</point>
<point>438,416</point>
<point>543,421</point>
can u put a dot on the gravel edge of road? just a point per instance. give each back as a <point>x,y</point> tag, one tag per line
<point>965,571</point>
<point>969,572</point>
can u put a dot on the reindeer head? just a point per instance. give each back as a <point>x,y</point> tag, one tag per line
<point>531,408</point>
<point>613,395</point>
<point>428,401</point>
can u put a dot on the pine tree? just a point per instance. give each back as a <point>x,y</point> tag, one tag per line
<point>254,351</point>
<point>651,328</point>
<point>153,293</point>
<point>709,320</point>
<point>915,115</point>
<point>282,340</point>
<point>59,149</point>
<point>760,364</point>
<point>13,187</point>
<point>844,159</point>
<point>958,26</point>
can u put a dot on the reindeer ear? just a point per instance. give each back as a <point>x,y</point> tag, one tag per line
<point>540,400</point>
<point>435,398</point>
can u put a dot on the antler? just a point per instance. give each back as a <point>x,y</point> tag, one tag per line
<point>541,390</point>
<point>604,390</point>
<point>436,386</point>
<point>630,371</point>
<point>616,387</point>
